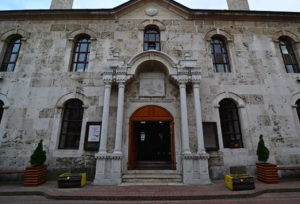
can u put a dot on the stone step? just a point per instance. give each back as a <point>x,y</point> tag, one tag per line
<point>152,177</point>
<point>151,172</point>
<point>151,180</point>
<point>152,184</point>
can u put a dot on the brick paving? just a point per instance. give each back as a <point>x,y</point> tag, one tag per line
<point>214,191</point>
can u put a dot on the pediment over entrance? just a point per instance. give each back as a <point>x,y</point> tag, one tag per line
<point>151,113</point>
<point>153,9</point>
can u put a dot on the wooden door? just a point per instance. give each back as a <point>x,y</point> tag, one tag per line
<point>149,113</point>
<point>173,157</point>
<point>132,147</point>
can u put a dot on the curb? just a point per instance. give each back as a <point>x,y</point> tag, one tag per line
<point>147,198</point>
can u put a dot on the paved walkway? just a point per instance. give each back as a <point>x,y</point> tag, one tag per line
<point>214,191</point>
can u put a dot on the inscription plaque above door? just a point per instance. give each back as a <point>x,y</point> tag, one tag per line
<point>152,84</point>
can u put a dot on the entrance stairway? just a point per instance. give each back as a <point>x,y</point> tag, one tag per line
<point>152,177</point>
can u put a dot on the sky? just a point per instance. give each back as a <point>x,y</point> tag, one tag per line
<point>266,5</point>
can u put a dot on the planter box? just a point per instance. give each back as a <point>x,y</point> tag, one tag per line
<point>237,182</point>
<point>71,180</point>
<point>267,173</point>
<point>35,175</point>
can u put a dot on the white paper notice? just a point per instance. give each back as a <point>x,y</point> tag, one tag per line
<point>94,133</point>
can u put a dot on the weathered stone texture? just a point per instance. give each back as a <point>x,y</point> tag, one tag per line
<point>42,83</point>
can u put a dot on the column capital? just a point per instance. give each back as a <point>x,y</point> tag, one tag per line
<point>107,78</point>
<point>122,78</point>
<point>119,77</point>
<point>187,77</point>
<point>181,78</point>
<point>196,78</point>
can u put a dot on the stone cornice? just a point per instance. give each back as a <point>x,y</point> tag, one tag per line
<point>110,14</point>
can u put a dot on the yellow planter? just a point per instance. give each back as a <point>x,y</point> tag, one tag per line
<point>238,182</point>
<point>71,180</point>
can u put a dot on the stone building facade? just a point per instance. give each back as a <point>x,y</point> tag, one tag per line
<point>149,85</point>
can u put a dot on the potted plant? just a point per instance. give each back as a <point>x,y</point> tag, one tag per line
<point>36,174</point>
<point>266,172</point>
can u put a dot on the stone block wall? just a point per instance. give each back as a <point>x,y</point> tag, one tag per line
<point>41,81</point>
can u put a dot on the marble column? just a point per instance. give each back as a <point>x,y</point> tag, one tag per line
<point>199,128</point>
<point>120,111</point>
<point>105,116</point>
<point>194,165</point>
<point>184,119</point>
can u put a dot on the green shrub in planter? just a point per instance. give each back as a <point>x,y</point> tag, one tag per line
<point>38,157</point>
<point>262,151</point>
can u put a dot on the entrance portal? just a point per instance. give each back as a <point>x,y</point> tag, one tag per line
<point>151,144</point>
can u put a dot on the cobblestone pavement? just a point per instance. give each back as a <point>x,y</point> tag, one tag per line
<point>287,191</point>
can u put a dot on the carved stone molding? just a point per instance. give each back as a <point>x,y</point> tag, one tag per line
<point>145,23</point>
<point>17,31</point>
<point>181,78</point>
<point>122,78</point>
<point>201,156</point>
<point>74,34</point>
<point>151,11</point>
<point>219,32</point>
<point>152,100</point>
<point>117,75</point>
<point>188,63</point>
<point>108,156</point>
<point>237,98</point>
<point>286,33</point>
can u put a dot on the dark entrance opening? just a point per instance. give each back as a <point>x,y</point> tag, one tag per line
<point>153,139</point>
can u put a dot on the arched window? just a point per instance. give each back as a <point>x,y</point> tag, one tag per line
<point>11,54</point>
<point>230,124</point>
<point>288,55</point>
<point>1,110</point>
<point>298,108</point>
<point>151,38</point>
<point>80,60</point>
<point>71,125</point>
<point>219,55</point>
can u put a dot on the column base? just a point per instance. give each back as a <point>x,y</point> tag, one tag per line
<point>108,169</point>
<point>195,169</point>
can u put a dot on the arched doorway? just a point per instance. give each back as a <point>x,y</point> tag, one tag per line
<point>151,139</point>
